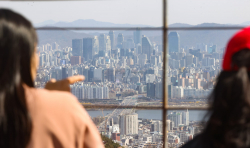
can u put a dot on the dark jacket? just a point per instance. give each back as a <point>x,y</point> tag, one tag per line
<point>197,142</point>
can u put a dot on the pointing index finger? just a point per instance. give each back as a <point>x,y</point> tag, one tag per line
<point>74,79</point>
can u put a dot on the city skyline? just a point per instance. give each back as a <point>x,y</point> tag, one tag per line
<point>127,71</point>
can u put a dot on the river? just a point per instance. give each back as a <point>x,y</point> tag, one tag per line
<point>194,115</point>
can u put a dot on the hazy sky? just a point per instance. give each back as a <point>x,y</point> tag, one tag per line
<point>146,12</point>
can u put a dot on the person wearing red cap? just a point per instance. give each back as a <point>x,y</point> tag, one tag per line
<point>228,125</point>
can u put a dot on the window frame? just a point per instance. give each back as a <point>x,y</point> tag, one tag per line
<point>165,30</point>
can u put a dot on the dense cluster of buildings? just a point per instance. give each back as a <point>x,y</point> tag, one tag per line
<point>109,63</point>
<point>133,64</point>
<point>192,70</point>
<point>131,131</point>
<point>86,91</point>
<point>120,64</point>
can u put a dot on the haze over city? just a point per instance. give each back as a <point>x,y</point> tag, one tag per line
<point>145,12</point>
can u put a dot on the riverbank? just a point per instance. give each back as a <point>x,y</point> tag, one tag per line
<point>194,115</point>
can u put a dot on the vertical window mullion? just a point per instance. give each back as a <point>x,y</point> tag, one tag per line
<point>165,83</point>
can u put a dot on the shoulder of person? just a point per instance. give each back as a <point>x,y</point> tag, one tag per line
<point>56,98</point>
<point>60,102</point>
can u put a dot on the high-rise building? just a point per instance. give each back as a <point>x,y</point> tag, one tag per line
<point>150,90</point>
<point>148,71</point>
<point>77,49</point>
<point>42,60</point>
<point>120,40</point>
<point>139,49</point>
<point>105,92</point>
<point>189,60</point>
<point>99,75</point>
<point>173,42</point>
<point>176,117</point>
<point>170,125</point>
<point>58,73</point>
<point>196,61</point>
<point>158,90</point>
<point>74,60</point>
<point>111,74</point>
<point>70,71</point>
<point>96,45</point>
<point>146,47</point>
<point>108,45</point>
<point>153,61</point>
<point>64,73</point>
<point>185,117</point>
<point>156,126</point>
<point>91,74</point>
<point>112,39</point>
<point>150,78</point>
<point>85,73</point>
<point>102,42</point>
<point>170,91</point>
<point>137,36</point>
<point>88,48</point>
<point>129,124</point>
<point>197,83</point>
<point>127,75</point>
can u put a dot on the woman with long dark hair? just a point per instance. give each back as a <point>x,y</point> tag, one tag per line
<point>229,122</point>
<point>32,117</point>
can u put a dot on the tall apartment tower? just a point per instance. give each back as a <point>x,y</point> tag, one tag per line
<point>137,36</point>
<point>129,124</point>
<point>77,47</point>
<point>120,40</point>
<point>102,42</point>
<point>173,42</point>
<point>88,48</point>
<point>112,39</point>
<point>111,74</point>
<point>108,44</point>
<point>176,117</point>
<point>185,117</point>
<point>146,47</point>
<point>96,45</point>
<point>64,73</point>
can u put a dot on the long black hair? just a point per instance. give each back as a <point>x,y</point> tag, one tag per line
<point>17,47</point>
<point>229,122</point>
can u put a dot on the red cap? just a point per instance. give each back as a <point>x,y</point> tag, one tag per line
<point>241,40</point>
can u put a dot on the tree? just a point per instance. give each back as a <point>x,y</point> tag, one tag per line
<point>109,142</point>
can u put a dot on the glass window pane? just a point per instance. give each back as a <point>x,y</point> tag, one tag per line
<point>194,62</point>
<point>120,67</point>
<point>210,13</point>
<point>122,13</point>
<point>184,125</point>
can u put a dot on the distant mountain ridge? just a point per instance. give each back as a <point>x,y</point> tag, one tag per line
<point>187,37</point>
<point>94,23</point>
<point>86,23</point>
